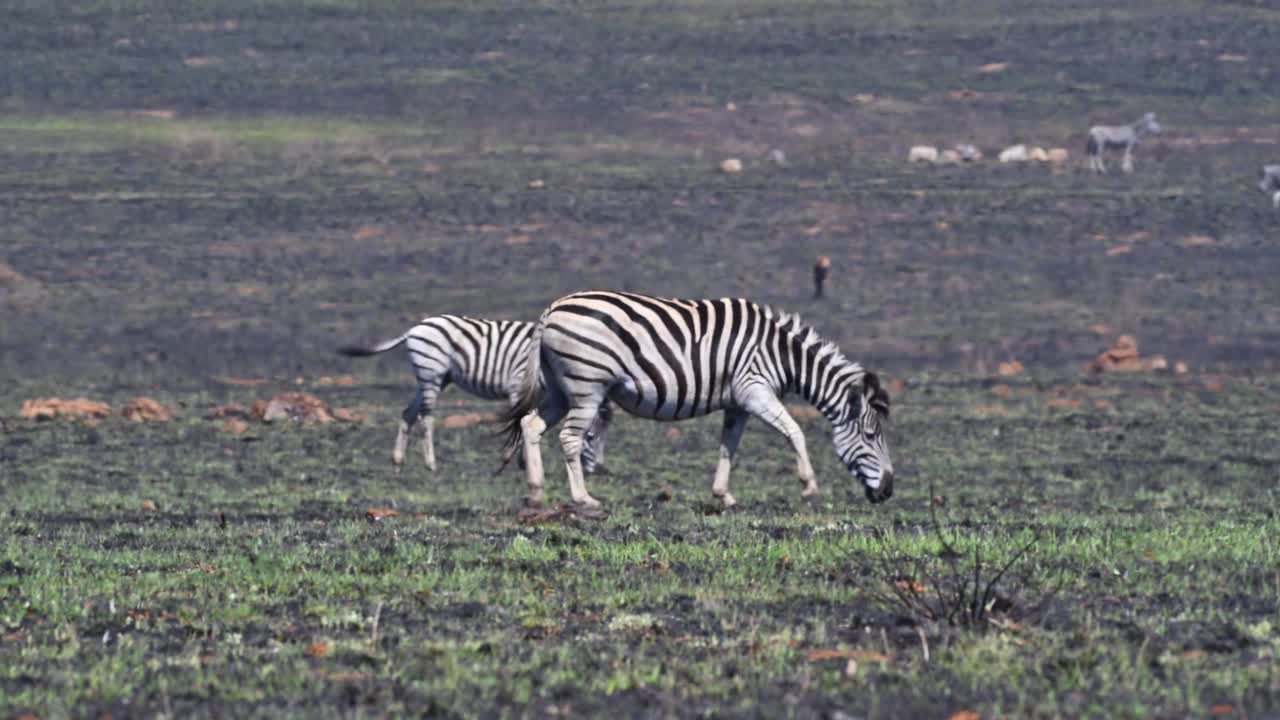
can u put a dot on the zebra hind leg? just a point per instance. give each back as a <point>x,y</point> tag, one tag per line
<point>428,442</point>
<point>430,393</point>
<point>597,438</point>
<point>408,419</point>
<point>572,437</point>
<point>531,428</point>
<point>735,423</point>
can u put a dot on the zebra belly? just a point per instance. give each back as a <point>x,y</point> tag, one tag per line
<point>640,402</point>
<point>485,392</point>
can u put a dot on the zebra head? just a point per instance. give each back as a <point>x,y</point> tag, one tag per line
<point>860,439</point>
<point>1148,125</point>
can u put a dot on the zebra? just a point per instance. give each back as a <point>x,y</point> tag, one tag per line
<point>1271,183</point>
<point>670,359</point>
<point>1102,137</point>
<point>483,357</point>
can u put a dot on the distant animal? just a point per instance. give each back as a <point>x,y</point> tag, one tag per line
<point>1013,153</point>
<point>922,153</point>
<point>1271,183</point>
<point>950,156</point>
<point>821,269</point>
<point>969,152</point>
<point>669,359</point>
<point>1104,137</point>
<point>486,358</point>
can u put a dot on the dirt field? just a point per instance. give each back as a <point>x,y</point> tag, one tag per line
<point>195,200</point>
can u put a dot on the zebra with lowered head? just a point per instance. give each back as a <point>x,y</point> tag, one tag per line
<point>1112,137</point>
<point>675,359</point>
<point>1271,183</point>
<point>483,357</point>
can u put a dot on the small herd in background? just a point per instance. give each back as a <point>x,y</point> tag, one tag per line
<point>1101,138</point>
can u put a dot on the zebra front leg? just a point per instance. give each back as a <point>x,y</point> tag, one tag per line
<point>735,422</point>
<point>571,443</point>
<point>771,410</point>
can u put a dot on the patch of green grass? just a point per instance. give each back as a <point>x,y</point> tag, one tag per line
<point>259,557</point>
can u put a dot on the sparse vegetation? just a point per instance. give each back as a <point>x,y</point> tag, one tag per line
<point>200,202</point>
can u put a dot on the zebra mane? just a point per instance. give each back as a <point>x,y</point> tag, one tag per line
<point>792,324</point>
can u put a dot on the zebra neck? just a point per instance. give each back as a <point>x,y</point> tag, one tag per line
<point>818,372</point>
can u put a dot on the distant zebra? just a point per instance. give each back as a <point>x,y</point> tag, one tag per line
<point>483,357</point>
<point>1104,137</point>
<point>1271,183</point>
<point>671,359</point>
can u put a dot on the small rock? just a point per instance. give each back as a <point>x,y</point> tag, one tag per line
<point>144,409</point>
<point>731,166</point>
<point>1007,369</point>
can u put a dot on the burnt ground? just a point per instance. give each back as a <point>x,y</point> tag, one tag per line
<point>193,196</point>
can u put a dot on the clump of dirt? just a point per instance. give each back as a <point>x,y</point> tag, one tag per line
<point>298,407</point>
<point>144,409</point>
<point>1123,356</point>
<point>1010,368</point>
<point>230,410</point>
<point>53,408</point>
<point>563,513</point>
<point>454,422</point>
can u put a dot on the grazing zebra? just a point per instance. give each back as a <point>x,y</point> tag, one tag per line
<point>1103,137</point>
<point>674,359</point>
<point>1271,183</point>
<point>484,357</point>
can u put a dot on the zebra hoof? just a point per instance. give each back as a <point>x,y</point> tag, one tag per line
<point>533,502</point>
<point>810,491</point>
<point>587,501</point>
<point>728,500</point>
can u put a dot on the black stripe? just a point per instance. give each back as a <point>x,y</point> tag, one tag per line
<point>621,368</point>
<point>669,357</point>
<point>651,370</point>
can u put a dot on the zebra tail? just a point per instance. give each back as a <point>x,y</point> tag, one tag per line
<point>530,397</point>
<point>366,351</point>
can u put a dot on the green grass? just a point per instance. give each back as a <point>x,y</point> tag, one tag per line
<point>259,585</point>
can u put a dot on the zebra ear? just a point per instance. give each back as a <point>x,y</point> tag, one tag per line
<point>876,394</point>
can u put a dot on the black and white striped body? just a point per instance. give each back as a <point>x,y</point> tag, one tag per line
<point>1271,183</point>
<point>486,358</point>
<point>670,359</point>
